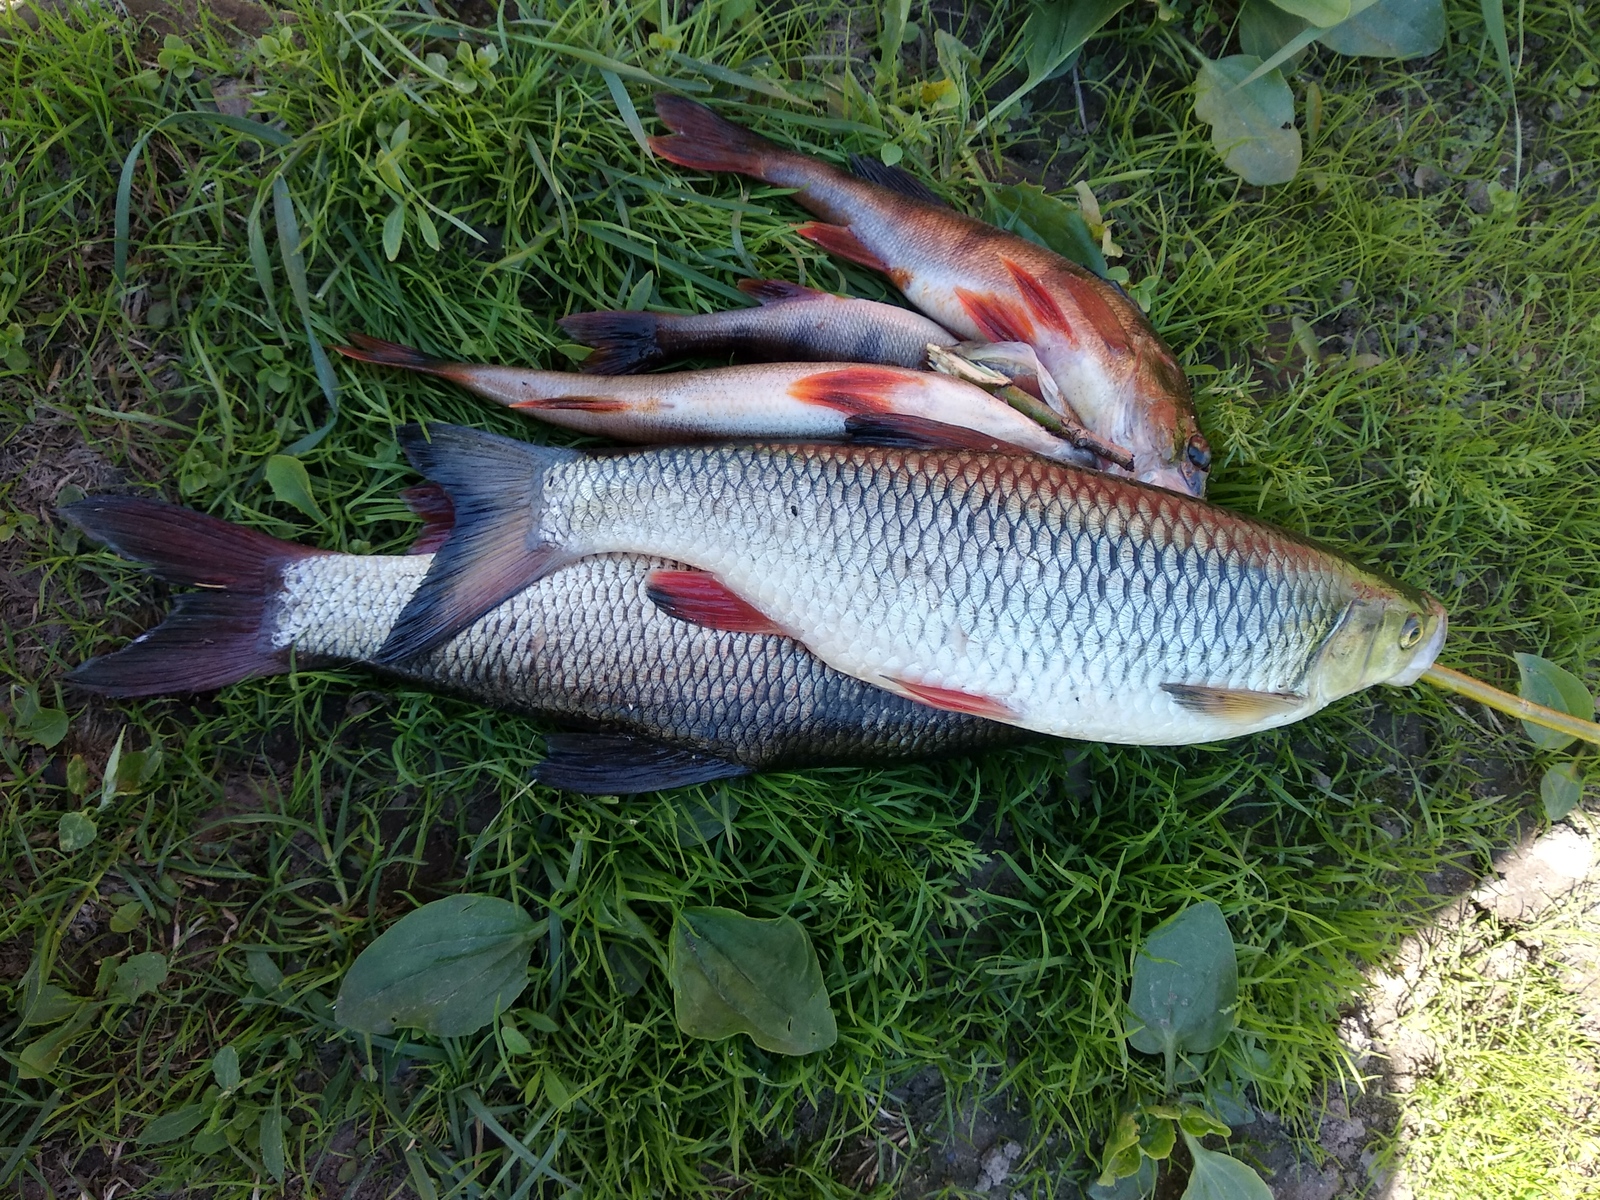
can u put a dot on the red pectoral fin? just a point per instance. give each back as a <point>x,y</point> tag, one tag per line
<point>955,700</point>
<point>1093,306</point>
<point>701,599</point>
<point>1039,300</point>
<point>840,240</point>
<point>997,319</point>
<point>863,389</point>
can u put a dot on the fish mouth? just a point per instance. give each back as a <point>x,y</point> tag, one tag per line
<point>1185,479</point>
<point>1425,653</point>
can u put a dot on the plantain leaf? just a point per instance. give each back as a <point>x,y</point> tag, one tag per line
<point>1028,210</point>
<point>735,974</point>
<point>1322,13</point>
<point>1251,123</point>
<point>1390,29</point>
<point>1561,789</point>
<point>169,1127</point>
<point>1264,29</point>
<point>1217,1176</point>
<point>272,1148</point>
<point>75,830</point>
<point>291,484</point>
<point>140,974</point>
<point>1185,984</point>
<point>446,968</point>
<point>1554,687</point>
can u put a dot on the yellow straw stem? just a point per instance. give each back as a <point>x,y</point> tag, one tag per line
<point>1516,706</point>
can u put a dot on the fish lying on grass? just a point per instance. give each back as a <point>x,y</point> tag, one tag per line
<point>1063,601</point>
<point>802,401</point>
<point>979,282</point>
<point>792,324</point>
<point>666,702</point>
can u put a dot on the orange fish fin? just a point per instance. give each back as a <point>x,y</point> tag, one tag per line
<point>919,433</point>
<point>1093,306</point>
<point>955,700</point>
<point>850,389</point>
<point>702,599</point>
<point>1235,704</point>
<point>1039,300</point>
<point>578,403</point>
<point>779,291</point>
<point>705,141</point>
<point>998,320</point>
<point>838,239</point>
<point>392,354</point>
<point>432,503</point>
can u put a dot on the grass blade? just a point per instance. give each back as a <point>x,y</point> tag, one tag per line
<point>630,115</point>
<point>1494,22</point>
<point>294,265</point>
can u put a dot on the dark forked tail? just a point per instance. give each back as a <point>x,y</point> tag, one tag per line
<point>212,637</point>
<point>704,141</point>
<point>392,354</point>
<point>625,343</point>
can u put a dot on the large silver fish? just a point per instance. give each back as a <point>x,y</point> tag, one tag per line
<point>666,702</point>
<point>1059,600</point>
<point>979,282</point>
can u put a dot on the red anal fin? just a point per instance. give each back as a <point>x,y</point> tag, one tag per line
<point>998,320</point>
<point>702,599</point>
<point>955,700</point>
<point>907,432</point>
<point>432,503</point>
<point>863,389</point>
<point>576,403</point>
<point>1039,300</point>
<point>838,239</point>
<point>1093,306</point>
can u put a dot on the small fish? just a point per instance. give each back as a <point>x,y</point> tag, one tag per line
<point>801,401</point>
<point>1061,601</point>
<point>663,702</point>
<point>981,283</point>
<point>792,324</point>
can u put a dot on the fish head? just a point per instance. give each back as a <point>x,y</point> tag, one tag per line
<point>1174,454</point>
<point>1389,634</point>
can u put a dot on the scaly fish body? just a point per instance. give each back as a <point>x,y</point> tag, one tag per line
<point>984,283</point>
<point>802,401</point>
<point>1058,600</point>
<point>792,324</point>
<point>583,646</point>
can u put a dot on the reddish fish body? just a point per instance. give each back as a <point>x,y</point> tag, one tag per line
<point>983,283</point>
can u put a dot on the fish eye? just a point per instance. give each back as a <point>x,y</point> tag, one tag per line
<point>1410,633</point>
<point>1200,452</point>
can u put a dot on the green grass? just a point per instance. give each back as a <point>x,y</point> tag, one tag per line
<point>977,917</point>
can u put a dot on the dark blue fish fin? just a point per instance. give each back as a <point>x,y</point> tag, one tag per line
<point>619,764</point>
<point>212,637</point>
<point>778,291</point>
<point>496,487</point>
<point>896,180</point>
<point>919,433</point>
<point>625,342</point>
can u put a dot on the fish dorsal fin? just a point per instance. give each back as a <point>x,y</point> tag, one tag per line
<point>496,487</point>
<point>702,599</point>
<point>895,179</point>
<point>618,764</point>
<point>780,291</point>
<point>919,433</point>
<point>1233,704</point>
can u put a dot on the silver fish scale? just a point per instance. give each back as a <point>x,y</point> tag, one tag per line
<point>995,575</point>
<point>586,645</point>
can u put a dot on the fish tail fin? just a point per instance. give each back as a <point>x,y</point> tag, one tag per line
<point>624,342</point>
<point>212,637</point>
<point>704,141</point>
<point>392,354</point>
<point>495,487</point>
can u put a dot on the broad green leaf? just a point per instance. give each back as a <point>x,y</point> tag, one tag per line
<point>169,1127</point>
<point>736,974</point>
<point>51,1004</point>
<point>1217,1176</point>
<point>291,484</point>
<point>140,974</point>
<point>1057,30</point>
<point>271,1140</point>
<point>639,294</point>
<point>394,230</point>
<point>446,968</point>
<point>1196,1120</point>
<point>225,1068</point>
<point>127,917</point>
<point>1390,29</point>
<point>1185,983</point>
<point>1252,126</point>
<point>1137,1186</point>
<point>1323,13</point>
<point>1554,687</point>
<point>1158,1140</point>
<point>1264,29</point>
<point>1027,210</point>
<point>428,230</point>
<point>46,726</point>
<point>264,973</point>
<point>1561,789</point>
<point>38,1059</point>
<point>75,830</point>
<point>77,775</point>
<point>108,778</point>
<point>516,1041</point>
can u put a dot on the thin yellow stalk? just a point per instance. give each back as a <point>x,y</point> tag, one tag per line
<point>1516,706</point>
